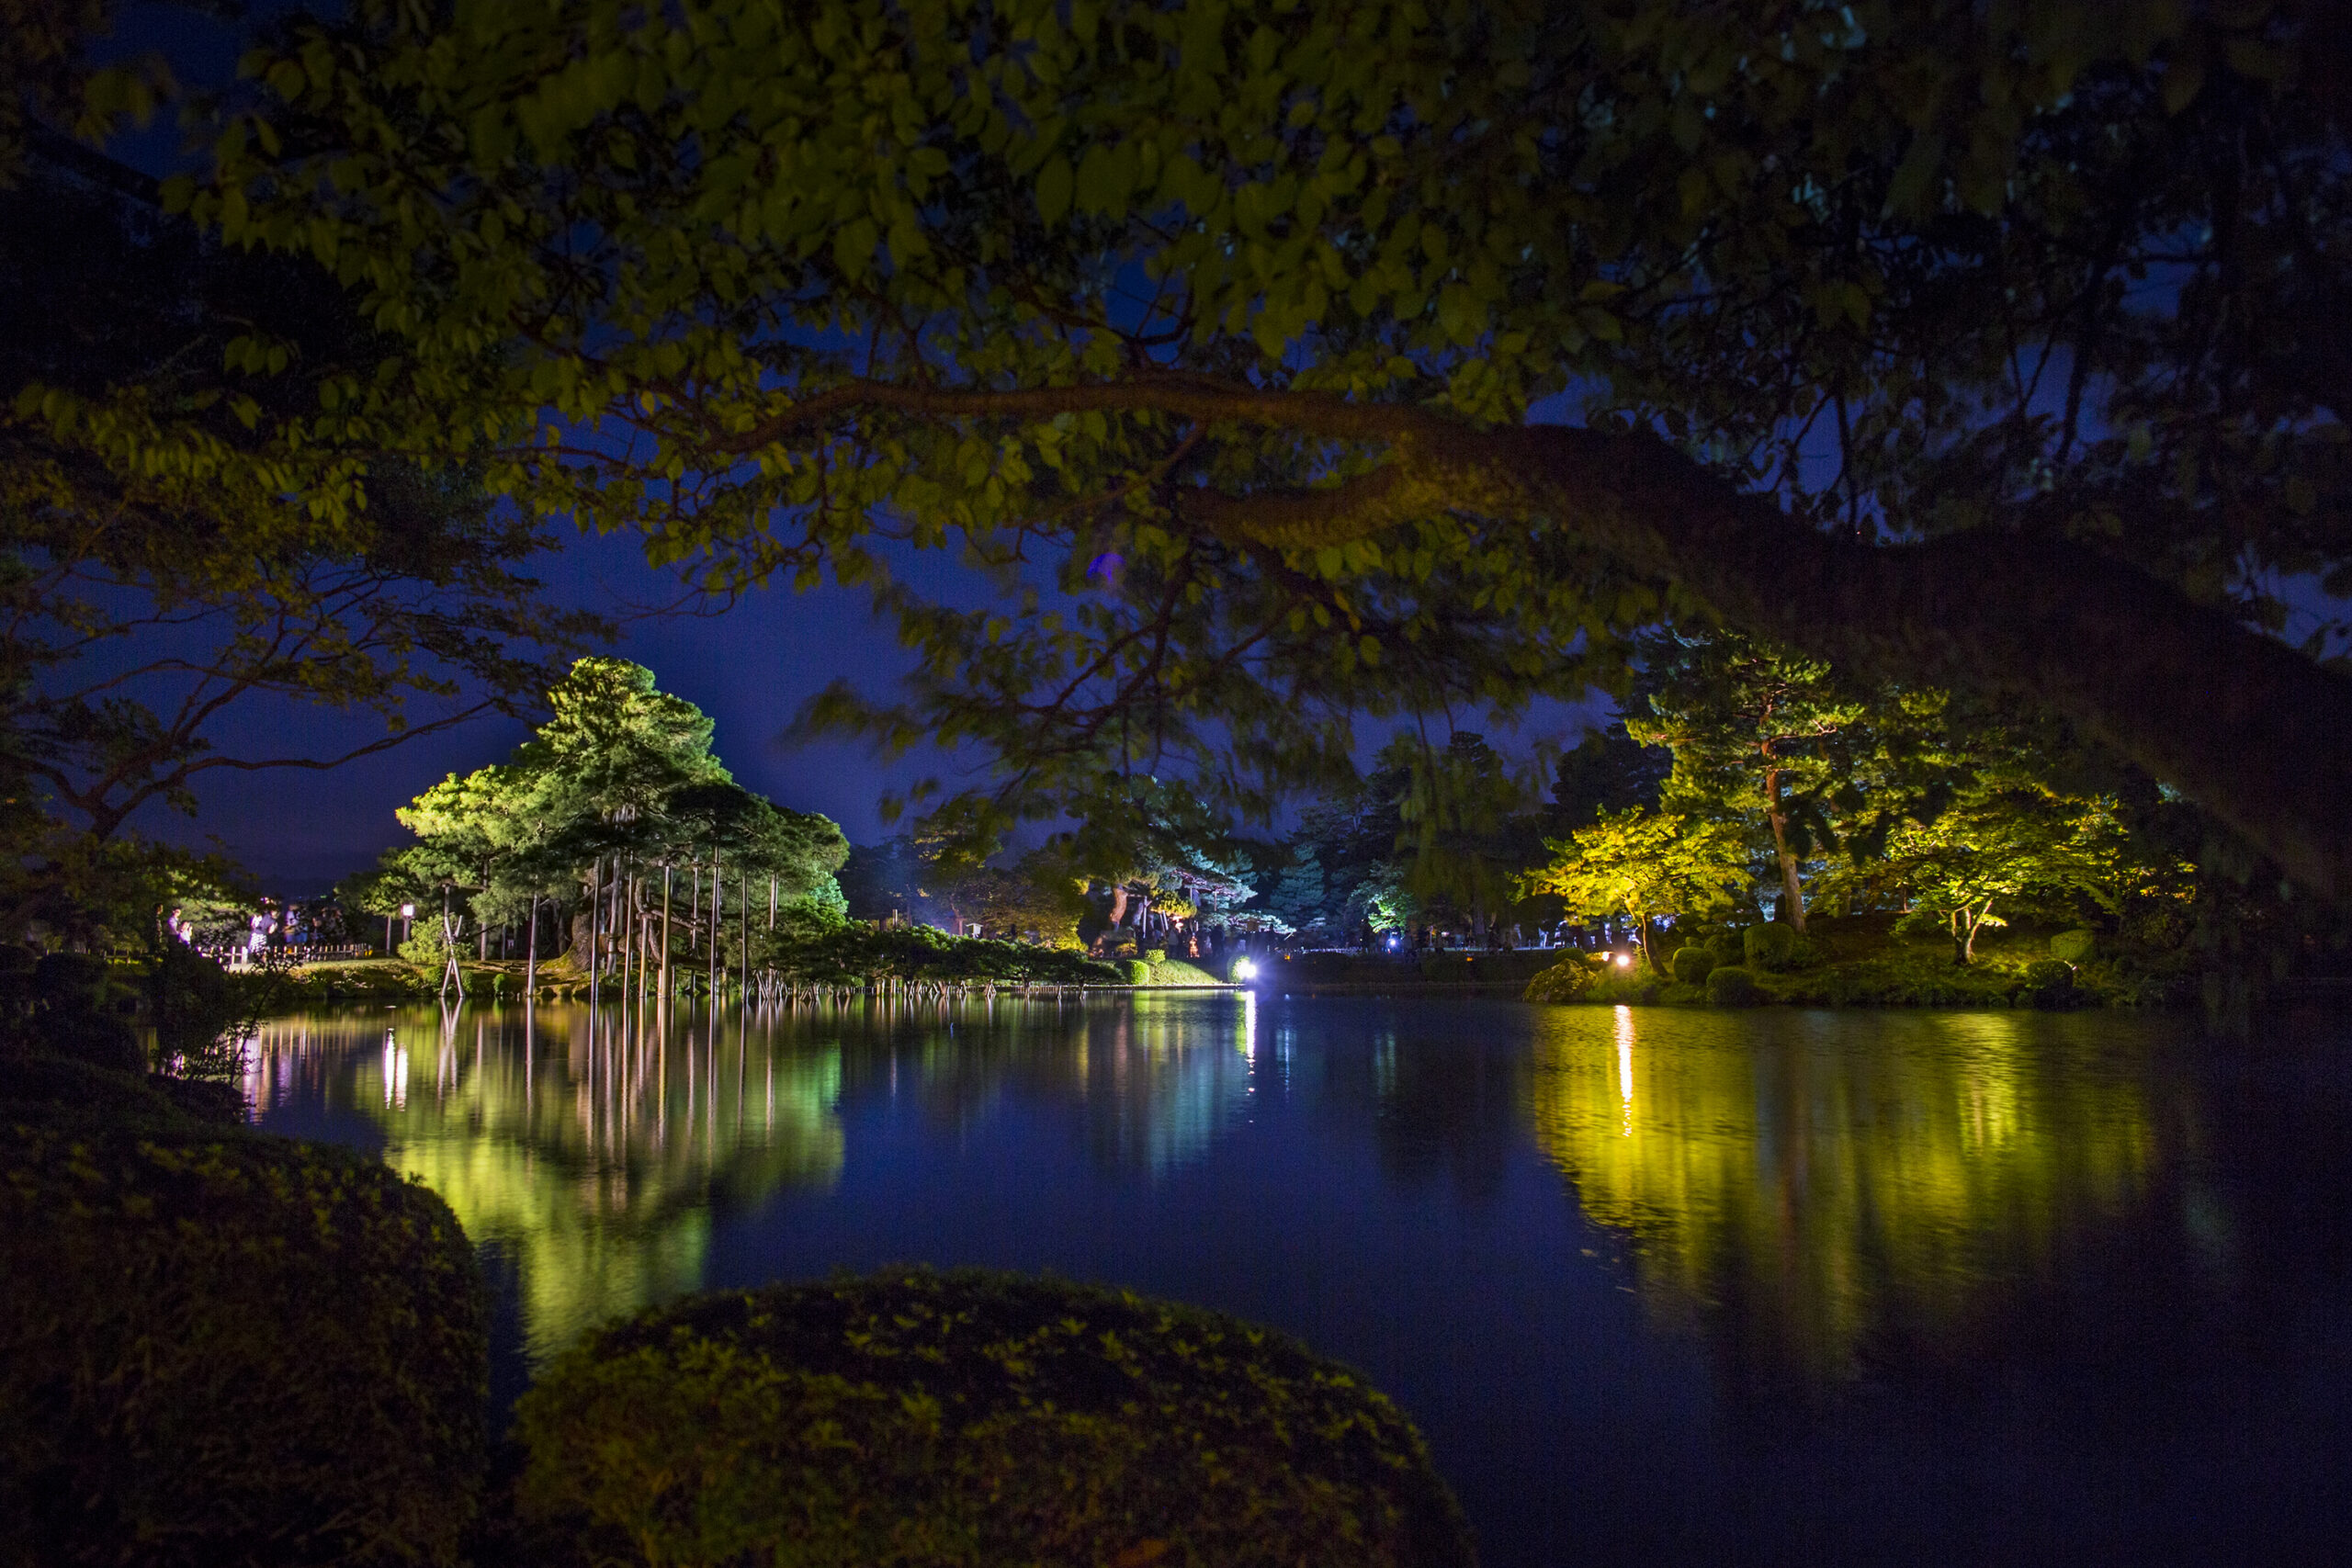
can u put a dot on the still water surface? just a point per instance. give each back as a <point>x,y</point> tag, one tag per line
<point>1660,1286</point>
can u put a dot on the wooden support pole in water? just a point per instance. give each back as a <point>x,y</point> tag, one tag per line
<point>717,912</point>
<point>595,903</point>
<point>667,871</point>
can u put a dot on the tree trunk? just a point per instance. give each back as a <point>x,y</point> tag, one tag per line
<point>1118,905</point>
<point>666,872</point>
<point>531,954</point>
<point>1792,887</point>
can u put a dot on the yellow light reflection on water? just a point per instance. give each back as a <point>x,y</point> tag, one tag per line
<point>1625,1064</point>
<point>1801,1181</point>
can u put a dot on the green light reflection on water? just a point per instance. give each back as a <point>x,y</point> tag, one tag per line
<point>590,1158</point>
<point>593,1153</point>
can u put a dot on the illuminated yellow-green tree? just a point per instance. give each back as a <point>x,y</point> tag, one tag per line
<point>1644,864</point>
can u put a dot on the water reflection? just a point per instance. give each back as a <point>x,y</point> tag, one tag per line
<point>1926,1289</point>
<point>589,1150</point>
<point>1812,1194</point>
<point>592,1149</point>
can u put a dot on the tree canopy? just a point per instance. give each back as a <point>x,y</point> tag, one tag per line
<point>620,775</point>
<point>1989,349</point>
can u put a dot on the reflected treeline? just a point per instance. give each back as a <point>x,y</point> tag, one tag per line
<point>593,1148</point>
<point>589,1149</point>
<point>1821,1197</point>
<point>1151,1080</point>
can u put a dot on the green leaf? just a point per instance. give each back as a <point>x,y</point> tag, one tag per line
<point>1054,188</point>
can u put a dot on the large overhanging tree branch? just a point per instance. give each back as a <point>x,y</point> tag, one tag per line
<point>1940,342</point>
<point>2120,652</point>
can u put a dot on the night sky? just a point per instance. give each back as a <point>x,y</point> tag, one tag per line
<point>750,669</point>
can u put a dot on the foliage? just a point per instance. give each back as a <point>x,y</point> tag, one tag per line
<point>202,1014</point>
<point>69,1005</point>
<point>244,1348</point>
<point>1691,965</point>
<point>621,778</point>
<point>2012,843</point>
<point>1353,833</point>
<point>969,1418</point>
<point>1566,981</point>
<point>2075,946</point>
<point>1642,865</point>
<point>1229,331</point>
<point>1460,817</point>
<point>1036,898</point>
<point>858,953</point>
<point>1769,946</point>
<point>1730,986</point>
<point>1754,734</point>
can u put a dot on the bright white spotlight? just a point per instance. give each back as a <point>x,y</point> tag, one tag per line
<point>1245,969</point>
<point>1625,961</point>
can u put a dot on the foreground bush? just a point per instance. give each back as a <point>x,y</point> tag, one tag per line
<point>220,1347</point>
<point>913,1419</point>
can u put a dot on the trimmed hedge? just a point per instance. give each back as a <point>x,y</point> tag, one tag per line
<point>1729,986</point>
<point>2076,946</point>
<point>1566,981</point>
<point>916,1419</point>
<point>1768,947</point>
<point>1693,965</point>
<point>856,954</point>
<point>218,1347</point>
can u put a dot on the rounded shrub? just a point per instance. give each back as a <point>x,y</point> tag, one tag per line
<point>2074,947</point>
<point>1154,956</point>
<point>1693,965</point>
<point>1566,981</point>
<point>919,1418</point>
<point>1729,986</point>
<point>2051,984</point>
<point>1137,971</point>
<point>240,1349</point>
<point>1768,947</point>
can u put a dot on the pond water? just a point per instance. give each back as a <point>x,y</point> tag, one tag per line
<point>1659,1286</point>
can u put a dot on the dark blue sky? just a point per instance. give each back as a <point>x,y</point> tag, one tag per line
<point>750,668</point>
